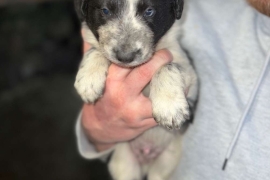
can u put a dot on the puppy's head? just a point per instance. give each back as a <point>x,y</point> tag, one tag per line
<point>128,30</point>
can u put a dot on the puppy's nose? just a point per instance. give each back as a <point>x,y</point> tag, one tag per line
<point>126,57</point>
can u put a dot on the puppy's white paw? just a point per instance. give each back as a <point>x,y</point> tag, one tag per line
<point>91,77</point>
<point>170,106</point>
<point>170,113</point>
<point>90,86</point>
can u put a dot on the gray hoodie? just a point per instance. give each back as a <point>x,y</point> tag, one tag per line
<point>228,42</point>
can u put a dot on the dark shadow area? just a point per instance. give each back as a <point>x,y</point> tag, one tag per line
<point>40,48</point>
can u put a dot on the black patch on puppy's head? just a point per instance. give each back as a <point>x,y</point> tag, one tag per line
<point>128,30</point>
<point>166,13</point>
<point>90,11</point>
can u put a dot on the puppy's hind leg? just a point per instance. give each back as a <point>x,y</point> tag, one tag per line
<point>165,164</point>
<point>123,164</point>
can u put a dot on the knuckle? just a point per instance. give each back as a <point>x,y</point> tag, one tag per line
<point>163,55</point>
<point>130,117</point>
<point>119,97</point>
<point>129,120</point>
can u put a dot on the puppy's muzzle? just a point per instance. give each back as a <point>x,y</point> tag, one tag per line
<point>126,56</point>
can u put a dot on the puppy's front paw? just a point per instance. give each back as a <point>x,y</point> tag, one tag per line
<point>170,107</point>
<point>91,77</point>
<point>170,113</point>
<point>90,85</point>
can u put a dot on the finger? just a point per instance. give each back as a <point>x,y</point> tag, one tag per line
<point>143,74</point>
<point>86,46</point>
<point>144,106</point>
<point>118,73</point>
<point>148,123</point>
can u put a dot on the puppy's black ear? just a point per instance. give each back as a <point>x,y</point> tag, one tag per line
<point>178,8</point>
<point>80,7</point>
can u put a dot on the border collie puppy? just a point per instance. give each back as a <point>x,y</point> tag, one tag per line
<point>127,33</point>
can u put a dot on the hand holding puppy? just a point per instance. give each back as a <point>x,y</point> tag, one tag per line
<point>123,112</point>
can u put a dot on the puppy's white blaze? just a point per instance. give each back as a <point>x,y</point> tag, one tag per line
<point>132,7</point>
<point>131,15</point>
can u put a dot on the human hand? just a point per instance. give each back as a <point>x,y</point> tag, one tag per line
<point>123,112</point>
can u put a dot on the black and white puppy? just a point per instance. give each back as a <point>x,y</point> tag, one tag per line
<point>127,33</point>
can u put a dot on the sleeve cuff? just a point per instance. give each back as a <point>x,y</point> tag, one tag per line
<point>86,149</point>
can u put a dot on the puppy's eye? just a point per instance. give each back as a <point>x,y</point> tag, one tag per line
<point>105,11</point>
<point>149,12</point>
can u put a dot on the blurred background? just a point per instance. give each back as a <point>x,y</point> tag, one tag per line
<point>40,49</point>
